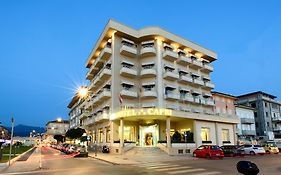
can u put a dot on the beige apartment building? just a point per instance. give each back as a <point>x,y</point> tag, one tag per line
<point>145,85</point>
<point>55,127</point>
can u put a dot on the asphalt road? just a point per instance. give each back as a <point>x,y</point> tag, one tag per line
<point>55,163</point>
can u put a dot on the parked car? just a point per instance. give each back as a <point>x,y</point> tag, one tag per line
<point>208,151</point>
<point>233,150</point>
<point>81,151</point>
<point>253,149</point>
<point>271,147</point>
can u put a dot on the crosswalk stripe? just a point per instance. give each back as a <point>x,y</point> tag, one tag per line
<point>208,173</point>
<point>186,171</point>
<point>162,166</point>
<point>150,165</point>
<point>173,168</point>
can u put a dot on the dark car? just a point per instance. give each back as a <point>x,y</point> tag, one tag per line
<point>233,150</point>
<point>81,151</point>
<point>208,151</point>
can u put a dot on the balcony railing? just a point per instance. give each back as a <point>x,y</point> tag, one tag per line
<point>184,60</point>
<point>185,79</point>
<point>105,73</point>
<point>105,53</point>
<point>104,94</point>
<point>149,93</point>
<point>198,82</point>
<point>148,72</point>
<point>247,120</point>
<point>129,93</point>
<point>196,64</point>
<point>207,68</point>
<point>276,119</point>
<point>248,132</point>
<point>277,128</point>
<point>129,72</point>
<point>129,51</point>
<point>186,98</point>
<point>102,116</point>
<point>209,85</point>
<point>170,55</point>
<point>171,75</point>
<point>172,96</point>
<point>148,51</point>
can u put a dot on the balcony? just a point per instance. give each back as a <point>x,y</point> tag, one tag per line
<point>148,51</point>
<point>186,98</point>
<point>89,76</point>
<point>185,109</point>
<point>207,68</point>
<point>183,60</point>
<point>149,94</point>
<point>148,72</point>
<point>170,55</point>
<point>105,53</point>
<point>185,79</point>
<point>148,105</point>
<point>129,51</point>
<point>197,100</point>
<point>128,93</point>
<point>171,106</point>
<point>172,96</point>
<point>102,116</point>
<point>198,82</point>
<point>84,114</point>
<point>128,72</point>
<point>196,64</point>
<point>247,120</point>
<point>105,73</point>
<point>276,119</point>
<point>209,85</point>
<point>209,102</point>
<point>171,75</point>
<point>248,132</point>
<point>105,94</point>
<point>277,128</point>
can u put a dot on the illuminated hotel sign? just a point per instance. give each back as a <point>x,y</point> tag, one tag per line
<point>141,112</point>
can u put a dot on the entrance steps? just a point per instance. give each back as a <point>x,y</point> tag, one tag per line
<point>145,151</point>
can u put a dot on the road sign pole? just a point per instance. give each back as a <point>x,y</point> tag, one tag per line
<point>12,133</point>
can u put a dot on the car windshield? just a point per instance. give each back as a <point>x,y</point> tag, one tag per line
<point>215,147</point>
<point>272,144</point>
<point>257,146</point>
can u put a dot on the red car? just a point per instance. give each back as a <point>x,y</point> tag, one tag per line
<point>208,151</point>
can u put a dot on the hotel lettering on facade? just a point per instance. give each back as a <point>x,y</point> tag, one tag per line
<point>145,85</point>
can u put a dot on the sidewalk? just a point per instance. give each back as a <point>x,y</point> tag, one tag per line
<point>32,163</point>
<point>138,159</point>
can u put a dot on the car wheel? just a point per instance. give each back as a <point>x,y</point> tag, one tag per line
<point>252,153</point>
<point>194,155</point>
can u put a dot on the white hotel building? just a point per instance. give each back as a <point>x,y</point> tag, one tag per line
<point>144,86</point>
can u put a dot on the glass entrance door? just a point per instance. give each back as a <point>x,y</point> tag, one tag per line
<point>149,135</point>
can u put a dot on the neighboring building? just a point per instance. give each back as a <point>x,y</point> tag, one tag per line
<point>267,113</point>
<point>246,127</point>
<point>26,141</point>
<point>56,127</point>
<point>224,103</point>
<point>144,86</point>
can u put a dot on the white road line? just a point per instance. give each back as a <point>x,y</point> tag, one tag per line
<point>161,166</point>
<point>174,168</point>
<point>208,173</point>
<point>186,171</point>
<point>150,165</point>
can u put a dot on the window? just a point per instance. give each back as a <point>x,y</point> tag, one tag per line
<point>253,105</point>
<point>100,135</point>
<point>267,124</point>
<point>266,114</point>
<point>265,104</point>
<point>205,134</point>
<point>255,114</point>
<point>225,134</point>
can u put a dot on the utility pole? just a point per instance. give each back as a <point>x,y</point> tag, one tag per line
<point>12,133</point>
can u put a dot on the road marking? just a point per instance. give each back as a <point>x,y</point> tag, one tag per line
<point>41,171</point>
<point>208,173</point>
<point>150,165</point>
<point>162,166</point>
<point>173,168</point>
<point>186,171</point>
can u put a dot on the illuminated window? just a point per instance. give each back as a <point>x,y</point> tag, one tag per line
<point>100,136</point>
<point>129,133</point>
<point>225,135</point>
<point>205,134</point>
<point>107,135</point>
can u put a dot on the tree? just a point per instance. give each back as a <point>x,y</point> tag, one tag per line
<point>75,133</point>
<point>59,138</point>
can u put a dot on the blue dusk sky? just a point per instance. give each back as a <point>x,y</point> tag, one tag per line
<point>44,46</point>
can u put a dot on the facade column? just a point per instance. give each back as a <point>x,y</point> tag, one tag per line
<point>217,133</point>
<point>122,132</point>
<point>235,135</point>
<point>104,135</point>
<point>195,139</point>
<point>159,69</point>
<point>111,133</point>
<point>168,129</point>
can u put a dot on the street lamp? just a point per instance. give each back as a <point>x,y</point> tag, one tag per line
<point>59,119</point>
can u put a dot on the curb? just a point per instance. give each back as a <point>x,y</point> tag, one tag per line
<point>113,163</point>
<point>14,160</point>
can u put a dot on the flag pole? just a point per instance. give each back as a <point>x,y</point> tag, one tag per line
<point>12,133</point>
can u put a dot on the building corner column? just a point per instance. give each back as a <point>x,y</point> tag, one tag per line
<point>168,129</point>
<point>159,77</point>
<point>122,133</point>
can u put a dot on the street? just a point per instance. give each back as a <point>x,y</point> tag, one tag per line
<point>55,162</point>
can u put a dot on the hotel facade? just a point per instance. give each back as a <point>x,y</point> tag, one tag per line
<point>146,85</point>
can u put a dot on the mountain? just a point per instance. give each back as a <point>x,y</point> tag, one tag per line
<point>24,130</point>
